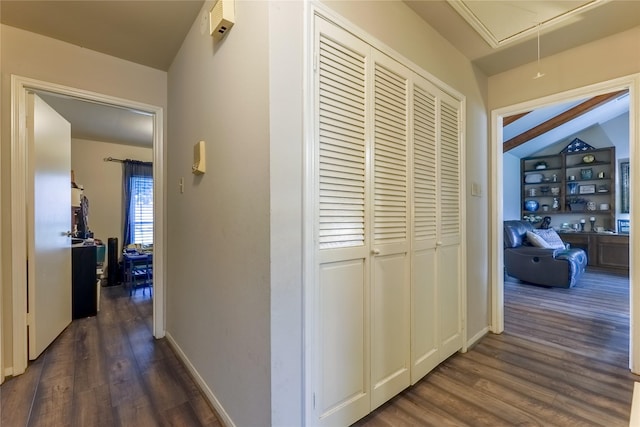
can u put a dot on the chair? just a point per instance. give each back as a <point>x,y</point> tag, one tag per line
<point>540,266</point>
<point>138,268</point>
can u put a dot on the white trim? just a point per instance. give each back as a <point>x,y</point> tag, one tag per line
<point>308,197</point>
<point>484,32</point>
<point>632,83</point>
<point>208,393</point>
<point>477,337</point>
<point>19,87</point>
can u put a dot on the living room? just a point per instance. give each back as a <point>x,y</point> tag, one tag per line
<point>571,161</point>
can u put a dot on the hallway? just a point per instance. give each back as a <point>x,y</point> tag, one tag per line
<point>107,371</point>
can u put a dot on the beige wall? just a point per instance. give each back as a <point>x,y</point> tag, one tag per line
<point>102,182</point>
<point>602,60</point>
<point>218,231</point>
<point>34,56</point>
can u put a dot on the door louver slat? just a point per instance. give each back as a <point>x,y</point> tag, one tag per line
<point>390,158</point>
<point>424,164</point>
<point>342,146</point>
<point>450,174</point>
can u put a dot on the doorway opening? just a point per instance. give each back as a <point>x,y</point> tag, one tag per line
<point>19,195</point>
<point>632,84</point>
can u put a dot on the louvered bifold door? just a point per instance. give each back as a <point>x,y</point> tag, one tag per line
<point>341,350</point>
<point>449,253</point>
<point>390,292</point>
<point>424,307</point>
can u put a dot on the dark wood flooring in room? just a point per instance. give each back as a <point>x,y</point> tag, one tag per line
<point>562,361</point>
<point>107,371</point>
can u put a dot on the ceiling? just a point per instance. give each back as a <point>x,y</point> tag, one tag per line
<point>506,19</point>
<point>495,35</point>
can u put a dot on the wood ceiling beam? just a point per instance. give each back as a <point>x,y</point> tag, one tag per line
<point>510,119</point>
<point>560,119</point>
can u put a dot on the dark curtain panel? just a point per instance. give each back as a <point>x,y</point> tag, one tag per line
<point>130,169</point>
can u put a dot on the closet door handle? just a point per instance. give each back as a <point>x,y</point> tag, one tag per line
<point>438,243</point>
<point>375,252</point>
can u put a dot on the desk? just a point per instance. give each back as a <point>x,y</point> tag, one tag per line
<point>138,271</point>
<point>604,251</point>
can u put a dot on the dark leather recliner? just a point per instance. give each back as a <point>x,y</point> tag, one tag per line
<point>547,267</point>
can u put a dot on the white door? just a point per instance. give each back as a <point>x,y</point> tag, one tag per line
<point>48,220</point>
<point>425,353</point>
<point>449,244</point>
<point>390,291</point>
<point>342,376</point>
<point>437,229</point>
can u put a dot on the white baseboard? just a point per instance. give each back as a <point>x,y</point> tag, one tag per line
<point>474,339</point>
<point>224,417</point>
<point>634,419</point>
<point>8,372</point>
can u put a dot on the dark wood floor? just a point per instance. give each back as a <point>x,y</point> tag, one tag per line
<point>107,371</point>
<point>562,361</point>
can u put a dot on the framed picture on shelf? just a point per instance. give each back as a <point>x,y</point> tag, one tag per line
<point>588,189</point>
<point>623,226</point>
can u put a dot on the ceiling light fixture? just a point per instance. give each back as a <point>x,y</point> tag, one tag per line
<point>538,74</point>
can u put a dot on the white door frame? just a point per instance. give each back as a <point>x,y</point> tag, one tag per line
<point>632,83</point>
<point>19,87</point>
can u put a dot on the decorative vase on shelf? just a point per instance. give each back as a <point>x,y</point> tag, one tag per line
<point>556,204</point>
<point>573,187</point>
<point>586,173</point>
<point>531,205</point>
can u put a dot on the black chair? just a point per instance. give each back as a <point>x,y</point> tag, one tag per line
<point>540,266</point>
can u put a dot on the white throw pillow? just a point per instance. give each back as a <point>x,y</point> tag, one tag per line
<point>551,237</point>
<point>537,241</point>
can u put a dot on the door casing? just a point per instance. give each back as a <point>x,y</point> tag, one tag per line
<point>19,87</point>
<point>632,83</point>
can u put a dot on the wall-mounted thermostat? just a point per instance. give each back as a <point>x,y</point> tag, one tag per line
<point>199,159</point>
<point>221,18</point>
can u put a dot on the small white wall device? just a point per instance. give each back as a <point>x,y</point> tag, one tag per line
<point>199,159</point>
<point>221,18</point>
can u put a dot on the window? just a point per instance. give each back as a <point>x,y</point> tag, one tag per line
<point>141,210</point>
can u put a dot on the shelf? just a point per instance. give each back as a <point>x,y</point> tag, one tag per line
<point>562,166</point>
<point>542,170</point>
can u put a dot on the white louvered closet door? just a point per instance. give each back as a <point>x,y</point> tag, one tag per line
<point>436,327</point>
<point>387,287</point>
<point>424,305</point>
<point>449,253</point>
<point>390,291</point>
<point>342,348</point>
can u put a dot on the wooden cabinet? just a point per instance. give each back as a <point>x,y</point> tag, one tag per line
<point>571,183</point>
<point>604,251</point>
<point>83,281</point>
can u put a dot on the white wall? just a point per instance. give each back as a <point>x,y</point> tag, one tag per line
<point>102,182</point>
<point>218,286</point>
<point>30,55</point>
<point>511,203</point>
